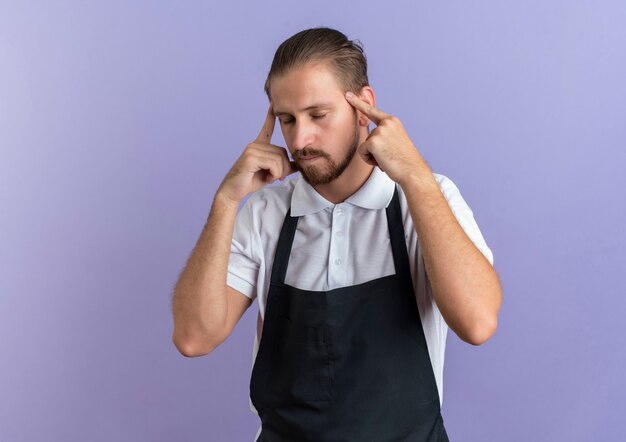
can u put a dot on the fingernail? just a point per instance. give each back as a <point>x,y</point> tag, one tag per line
<point>349,94</point>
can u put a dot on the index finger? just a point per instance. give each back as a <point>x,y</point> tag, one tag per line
<point>373,113</point>
<point>268,127</point>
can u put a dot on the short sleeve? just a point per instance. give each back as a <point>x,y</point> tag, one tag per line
<point>243,262</point>
<point>464,216</point>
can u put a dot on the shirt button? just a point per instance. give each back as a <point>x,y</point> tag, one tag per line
<point>339,210</point>
<point>337,261</point>
<point>339,233</point>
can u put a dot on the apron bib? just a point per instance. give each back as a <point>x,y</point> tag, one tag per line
<point>347,364</point>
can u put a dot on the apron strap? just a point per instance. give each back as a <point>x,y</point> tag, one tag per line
<point>396,233</point>
<point>283,249</point>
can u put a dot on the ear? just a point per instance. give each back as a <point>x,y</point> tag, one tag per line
<point>366,94</point>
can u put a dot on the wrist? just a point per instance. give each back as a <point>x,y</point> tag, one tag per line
<point>419,179</point>
<point>223,199</point>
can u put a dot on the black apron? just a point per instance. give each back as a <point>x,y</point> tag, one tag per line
<point>347,364</point>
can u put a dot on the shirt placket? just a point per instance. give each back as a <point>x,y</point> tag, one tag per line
<point>338,247</point>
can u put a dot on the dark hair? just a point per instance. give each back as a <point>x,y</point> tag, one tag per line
<point>346,57</point>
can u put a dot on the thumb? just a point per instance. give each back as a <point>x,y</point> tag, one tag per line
<point>370,159</point>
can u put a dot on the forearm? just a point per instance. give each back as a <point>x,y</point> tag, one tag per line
<point>200,301</point>
<point>464,283</point>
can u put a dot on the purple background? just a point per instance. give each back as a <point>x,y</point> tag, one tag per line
<point>118,121</point>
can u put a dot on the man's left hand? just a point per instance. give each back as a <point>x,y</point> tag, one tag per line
<point>388,146</point>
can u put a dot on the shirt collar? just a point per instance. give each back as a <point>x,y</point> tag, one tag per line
<point>375,193</point>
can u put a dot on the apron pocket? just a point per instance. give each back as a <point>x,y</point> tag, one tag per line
<point>301,368</point>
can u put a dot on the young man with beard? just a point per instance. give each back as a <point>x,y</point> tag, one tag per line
<point>359,265</point>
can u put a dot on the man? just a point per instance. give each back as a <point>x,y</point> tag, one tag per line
<point>359,265</point>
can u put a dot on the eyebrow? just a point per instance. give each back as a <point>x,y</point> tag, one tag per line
<point>313,106</point>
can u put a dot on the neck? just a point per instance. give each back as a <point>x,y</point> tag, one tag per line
<point>351,180</point>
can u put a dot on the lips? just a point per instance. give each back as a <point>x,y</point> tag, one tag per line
<point>309,158</point>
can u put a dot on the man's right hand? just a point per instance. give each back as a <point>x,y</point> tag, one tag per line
<point>261,163</point>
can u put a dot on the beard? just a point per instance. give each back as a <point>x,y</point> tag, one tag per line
<point>318,173</point>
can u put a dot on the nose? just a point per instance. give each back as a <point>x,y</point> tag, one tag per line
<point>303,135</point>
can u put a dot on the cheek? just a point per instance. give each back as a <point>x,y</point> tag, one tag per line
<point>340,123</point>
<point>344,126</point>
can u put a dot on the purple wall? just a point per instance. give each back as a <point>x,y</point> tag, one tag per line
<point>118,121</point>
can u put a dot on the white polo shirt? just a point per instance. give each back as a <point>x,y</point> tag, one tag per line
<point>337,245</point>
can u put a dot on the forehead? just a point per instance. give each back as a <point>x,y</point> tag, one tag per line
<point>313,84</point>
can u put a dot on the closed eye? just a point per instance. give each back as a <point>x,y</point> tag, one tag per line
<point>315,117</point>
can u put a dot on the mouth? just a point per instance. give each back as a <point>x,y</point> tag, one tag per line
<point>309,159</point>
